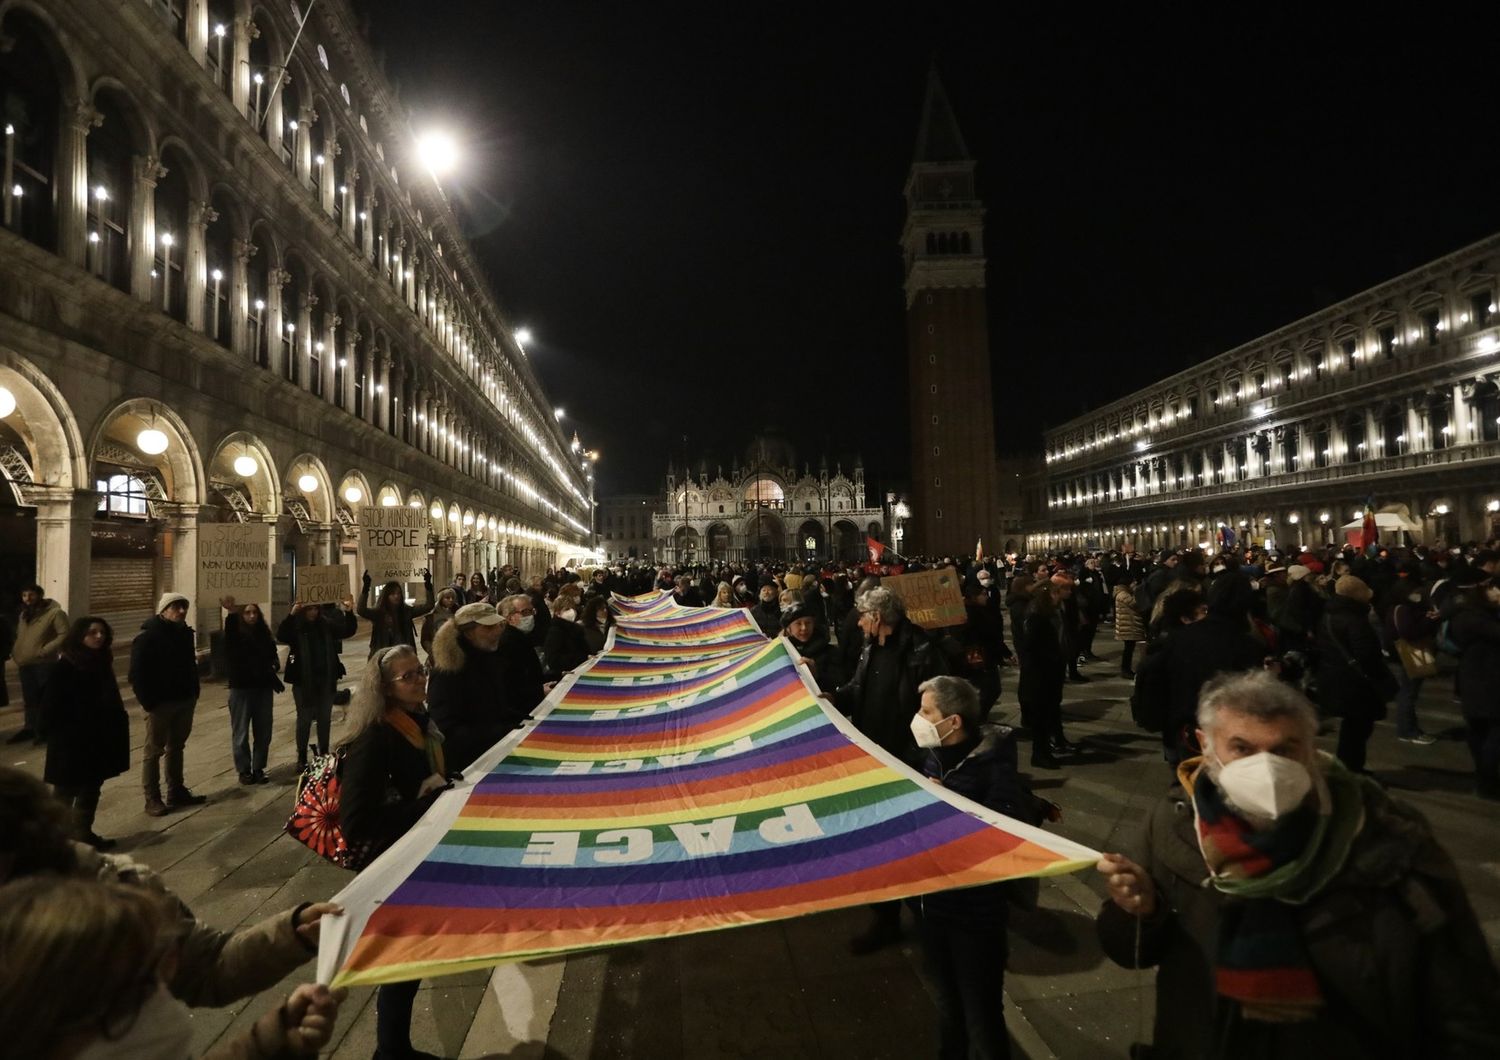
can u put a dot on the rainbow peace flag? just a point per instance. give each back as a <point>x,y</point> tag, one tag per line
<point>685,779</point>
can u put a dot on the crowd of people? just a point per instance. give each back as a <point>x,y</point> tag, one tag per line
<point>1288,902</point>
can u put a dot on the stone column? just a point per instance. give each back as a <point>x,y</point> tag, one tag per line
<point>350,355</point>
<point>376,362</point>
<point>302,340</point>
<point>367,247</point>
<point>196,25</point>
<point>195,263</point>
<point>73,181</point>
<point>239,298</point>
<point>331,354</point>
<point>146,171</point>
<point>302,145</point>
<point>327,184</point>
<point>240,73</point>
<point>181,532</point>
<point>386,422</point>
<point>64,521</point>
<point>325,540</point>
<point>398,267</point>
<point>351,201</point>
<point>274,327</point>
<point>403,414</point>
<point>1460,419</point>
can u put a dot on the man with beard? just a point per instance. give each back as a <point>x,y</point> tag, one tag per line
<point>1291,907</point>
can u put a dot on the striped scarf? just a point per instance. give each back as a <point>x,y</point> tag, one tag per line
<point>1262,961</point>
<point>423,735</point>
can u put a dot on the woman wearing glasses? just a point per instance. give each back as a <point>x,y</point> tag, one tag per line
<point>393,771</point>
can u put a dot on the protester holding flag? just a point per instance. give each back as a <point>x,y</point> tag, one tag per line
<point>1291,907</point>
<point>393,749</point>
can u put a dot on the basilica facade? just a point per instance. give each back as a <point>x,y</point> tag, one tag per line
<point>765,509</point>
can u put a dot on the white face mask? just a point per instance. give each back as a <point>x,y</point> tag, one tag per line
<point>569,615</point>
<point>925,732</point>
<point>163,1030</point>
<point>527,623</point>
<point>1264,786</point>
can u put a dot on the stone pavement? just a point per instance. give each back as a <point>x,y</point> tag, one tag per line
<point>786,990</point>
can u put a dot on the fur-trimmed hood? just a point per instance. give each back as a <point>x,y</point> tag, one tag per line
<point>447,649</point>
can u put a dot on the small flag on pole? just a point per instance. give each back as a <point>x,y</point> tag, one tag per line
<point>979,550</point>
<point>876,549</point>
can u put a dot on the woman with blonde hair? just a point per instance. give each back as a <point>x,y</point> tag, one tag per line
<point>393,771</point>
<point>725,596</point>
<point>85,977</point>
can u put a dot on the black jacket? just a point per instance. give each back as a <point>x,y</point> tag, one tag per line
<point>164,663</point>
<point>1475,628</point>
<point>379,780</point>
<point>1198,652</point>
<point>566,647</point>
<point>250,657</point>
<point>466,695</point>
<point>520,672</point>
<point>1044,653</point>
<point>827,661</point>
<point>387,630</point>
<point>1353,679</point>
<point>767,617</point>
<point>985,772</point>
<point>881,697</point>
<point>333,625</point>
<point>88,733</point>
<point>1393,940</point>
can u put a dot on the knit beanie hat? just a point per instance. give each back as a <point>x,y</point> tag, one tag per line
<point>167,600</point>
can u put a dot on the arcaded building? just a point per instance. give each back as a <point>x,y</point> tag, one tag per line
<point>1389,397</point>
<point>229,291</point>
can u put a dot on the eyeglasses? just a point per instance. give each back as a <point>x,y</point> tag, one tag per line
<point>411,675</point>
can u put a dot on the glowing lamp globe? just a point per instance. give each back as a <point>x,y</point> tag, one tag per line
<point>353,494</point>
<point>388,501</point>
<point>7,403</point>
<point>151,441</point>
<point>244,466</point>
<point>437,511</point>
<point>307,484</point>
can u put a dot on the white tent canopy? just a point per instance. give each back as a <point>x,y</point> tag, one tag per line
<point>1387,520</point>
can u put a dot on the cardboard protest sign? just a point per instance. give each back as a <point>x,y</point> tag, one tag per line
<point>933,598</point>
<point>323,585</point>
<point>393,543</point>
<point>234,559</point>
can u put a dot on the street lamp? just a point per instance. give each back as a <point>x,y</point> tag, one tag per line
<point>438,152</point>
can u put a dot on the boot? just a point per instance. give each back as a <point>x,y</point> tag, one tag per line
<point>1061,745</point>
<point>1041,758</point>
<point>155,807</point>
<point>182,797</point>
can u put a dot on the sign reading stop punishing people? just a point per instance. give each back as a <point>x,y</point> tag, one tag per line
<point>234,559</point>
<point>933,598</point>
<point>323,585</point>
<point>393,543</point>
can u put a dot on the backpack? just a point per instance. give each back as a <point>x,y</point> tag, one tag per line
<point>315,816</point>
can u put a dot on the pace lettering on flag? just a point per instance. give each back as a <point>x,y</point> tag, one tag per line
<point>686,779</point>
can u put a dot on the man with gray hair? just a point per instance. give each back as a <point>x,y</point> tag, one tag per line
<point>519,664</point>
<point>1291,907</point>
<point>897,656</point>
<point>963,932</point>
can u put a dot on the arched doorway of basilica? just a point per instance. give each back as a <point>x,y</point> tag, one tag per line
<point>810,540</point>
<point>719,538</point>
<point>766,538</point>
<point>847,546</point>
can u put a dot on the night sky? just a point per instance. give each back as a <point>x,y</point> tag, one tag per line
<point>697,209</point>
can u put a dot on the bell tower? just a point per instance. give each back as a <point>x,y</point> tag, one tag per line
<point>954,466</point>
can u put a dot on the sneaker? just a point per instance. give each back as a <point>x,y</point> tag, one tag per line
<point>1421,739</point>
<point>178,799</point>
<point>155,808</point>
<point>247,778</point>
<point>22,736</point>
<point>259,777</point>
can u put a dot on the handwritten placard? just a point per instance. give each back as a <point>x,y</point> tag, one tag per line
<point>234,559</point>
<point>933,598</point>
<point>323,585</point>
<point>393,543</point>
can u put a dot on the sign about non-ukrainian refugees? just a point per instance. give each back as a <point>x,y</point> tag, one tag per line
<point>323,585</point>
<point>234,559</point>
<point>393,543</point>
<point>686,779</point>
<point>933,598</point>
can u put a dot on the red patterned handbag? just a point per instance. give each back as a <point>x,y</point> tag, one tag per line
<point>315,817</point>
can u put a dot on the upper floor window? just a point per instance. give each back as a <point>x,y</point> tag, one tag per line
<point>1432,325</point>
<point>1386,337</point>
<point>1481,309</point>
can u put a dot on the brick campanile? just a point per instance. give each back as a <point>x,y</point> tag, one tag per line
<point>953,460</point>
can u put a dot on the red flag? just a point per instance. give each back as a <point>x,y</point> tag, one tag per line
<point>1369,533</point>
<point>876,549</point>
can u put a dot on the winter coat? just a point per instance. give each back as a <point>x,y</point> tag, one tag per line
<point>1360,690</point>
<point>250,656</point>
<point>466,697</point>
<point>566,647</point>
<point>88,732</point>
<point>436,619</point>
<point>1093,604</point>
<point>333,625</point>
<point>767,617</point>
<point>827,661</point>
<point>164,663</point>
<point>39,638</point>
<point>1130,625</point>
<point>214,968</point>
<point>520,672</point>
<point>386,630</point>
<point>1475,628</point>
<point>1044,655</point>
<point>379,781</point>
<point>884,712</point>
<point>1297,614</point>
<point>986,774</point>
<point>593,639</point>
<point>1392,938</point>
